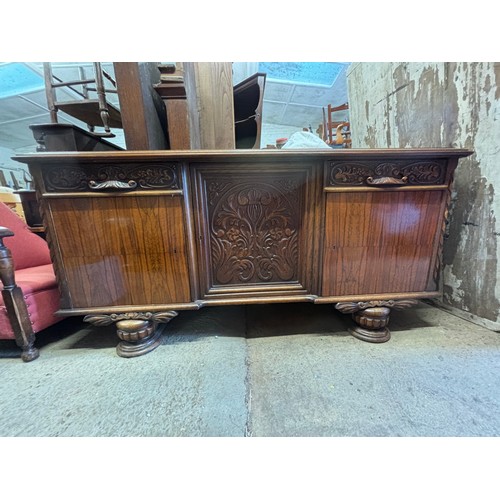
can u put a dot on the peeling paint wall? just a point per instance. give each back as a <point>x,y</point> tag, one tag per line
<point>445,105</point>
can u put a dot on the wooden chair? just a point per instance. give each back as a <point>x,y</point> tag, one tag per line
<point>336,133</point>
<point>342,135</point>
<point>30,295</point>
<point>95,112</point>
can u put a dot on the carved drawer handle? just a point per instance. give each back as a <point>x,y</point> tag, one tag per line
<point>385,181</point>
<point>97,186</point>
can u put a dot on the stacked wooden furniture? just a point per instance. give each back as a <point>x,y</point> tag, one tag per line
<point>137,237</point>
<point>142,109</point>
<point>205,111</point>
<point>248,102</point>
<point>172,90</point>
<point>68,137</point>
<point>90,103</point>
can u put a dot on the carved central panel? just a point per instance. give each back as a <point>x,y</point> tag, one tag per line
<point>253,228</point>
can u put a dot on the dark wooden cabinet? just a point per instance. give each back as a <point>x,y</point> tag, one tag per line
<point>253,230</point>
<point>138,236</point>
<point>68,137</point>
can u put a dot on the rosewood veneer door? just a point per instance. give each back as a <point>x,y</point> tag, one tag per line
<point>255,229</point>
<point>122,250</point>
<point>381,242</point>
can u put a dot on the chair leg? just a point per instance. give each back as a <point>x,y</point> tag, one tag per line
<point>14,303</point>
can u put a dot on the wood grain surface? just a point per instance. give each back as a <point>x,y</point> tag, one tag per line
<point>212,227</point>
<point>122,250</point>
<point>380,242</point>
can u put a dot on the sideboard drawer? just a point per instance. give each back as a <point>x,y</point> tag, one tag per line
<point>379,173</point>
<point>130,176</point>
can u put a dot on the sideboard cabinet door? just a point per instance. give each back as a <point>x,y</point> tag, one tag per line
<point>121,249</point>
<point>381,242</point>
<point>256,228</point>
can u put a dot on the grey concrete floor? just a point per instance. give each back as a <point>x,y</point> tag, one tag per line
<point>285,370</point>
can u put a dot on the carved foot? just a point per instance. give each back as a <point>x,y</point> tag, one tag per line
<point>372,325</point>
<point>138,332</point>
<point>372,317</point>
<point>137,337</point>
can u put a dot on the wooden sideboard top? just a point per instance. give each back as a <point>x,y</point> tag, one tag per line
<point>241,154</point>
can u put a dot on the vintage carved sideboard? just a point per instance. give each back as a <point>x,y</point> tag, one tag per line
<point>136,237</point>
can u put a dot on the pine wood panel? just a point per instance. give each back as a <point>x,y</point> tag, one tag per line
<point>380,242</point>
<point>209,91</point>
<point>122,250</point>
<point>178,123</point>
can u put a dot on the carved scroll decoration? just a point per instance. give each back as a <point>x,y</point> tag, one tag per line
<point>352,307</point>
<point>253,230</point>
<point>343,173</point>
<point>77,178</point>
<point>108,319</point>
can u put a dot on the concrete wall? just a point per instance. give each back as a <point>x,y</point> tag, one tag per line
<point>448,105</point>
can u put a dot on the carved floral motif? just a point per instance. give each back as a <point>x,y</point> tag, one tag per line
<point>77,178</point>
<point>356,173</point>
<point>108,319</point>
<point>253,231</point>
<point>352,307</point>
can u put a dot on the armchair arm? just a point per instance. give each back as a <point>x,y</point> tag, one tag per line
<point>14,301</point>
<point>6,261</point>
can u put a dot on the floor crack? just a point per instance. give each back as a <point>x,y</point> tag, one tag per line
<point>248,389</point>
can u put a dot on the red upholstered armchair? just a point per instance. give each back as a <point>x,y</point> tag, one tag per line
<point>29,293</point>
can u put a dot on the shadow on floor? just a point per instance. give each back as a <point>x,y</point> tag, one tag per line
<point>271,320</point>
<point>72,331</point>
<point>250,321</point>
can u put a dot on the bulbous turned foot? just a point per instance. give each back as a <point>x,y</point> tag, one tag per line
<point>372,325</point>
<point>138,331</point>
<point>372,317</point>
<point>137,337</point>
